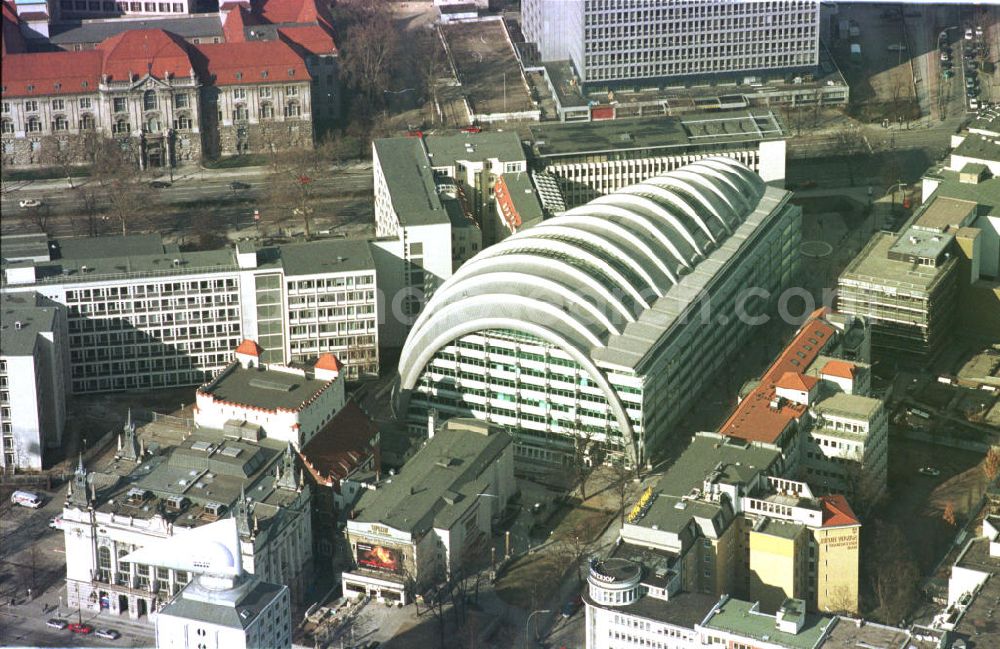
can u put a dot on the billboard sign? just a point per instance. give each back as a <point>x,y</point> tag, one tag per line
<point>379,557</point>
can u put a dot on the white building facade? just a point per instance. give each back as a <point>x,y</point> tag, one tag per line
<point>614,41</point>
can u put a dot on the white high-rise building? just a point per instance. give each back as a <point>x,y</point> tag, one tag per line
<point>626,40</point>
<point>33,367</point>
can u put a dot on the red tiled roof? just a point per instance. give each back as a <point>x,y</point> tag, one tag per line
<point>235,21</point>
<point>315,39</point>
<point>837,511</point>
<point>841,369</point>
<point>293,11</point>
<point>142,51</point>
<point>342,446</point>
<point>796,381</point>
<point>248,347</point>
<point>51,73</point>
<point>754,419</point>
<point>329,362</point>
<point>228,64</point>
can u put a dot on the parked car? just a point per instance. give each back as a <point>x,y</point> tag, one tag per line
<point>30,202</point>
<point>57,623</point>
<point>979,31</point>
<point>973,104</point>
<point>570,607</point>
<point>81,628</point>
<point>968,33</point>
<point>235,185</point>
<point>929,471</point>
<point>56,522</point>
<point>971,92</point>
<point>159,184</point>
<point>107,634</point>
<point>945,56</point>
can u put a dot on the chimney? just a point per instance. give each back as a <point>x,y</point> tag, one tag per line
<point>432,416</point>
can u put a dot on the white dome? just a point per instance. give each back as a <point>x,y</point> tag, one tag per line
<point>214,556</point>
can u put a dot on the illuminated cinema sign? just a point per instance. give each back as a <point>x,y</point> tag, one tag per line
<point>379,557</point>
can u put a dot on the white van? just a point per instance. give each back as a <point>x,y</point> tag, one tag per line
<point>26,499</point>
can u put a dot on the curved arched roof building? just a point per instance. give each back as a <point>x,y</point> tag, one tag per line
<point>582,324</point>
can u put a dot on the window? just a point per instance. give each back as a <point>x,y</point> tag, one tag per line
<point>58,104</point>
<point>7,126</point>
<point>119,105</point>
<point>182,123</point>
<point>180,101</point>
<point>292,109</point>
<point>34,125</point>
<point>265,92</point>
<point>31,105</point>
<point>292,91</point>
<point>266,111</point>
<point>85,102</point>
<point>87,122</point>
<point>6,106</point>
<point>239,93</point>
<point>60,123</point>
<point>122,127</point>
<point>149,100</point>
<point>240,114</point>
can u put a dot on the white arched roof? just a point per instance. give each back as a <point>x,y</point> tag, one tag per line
<point>616,255</point>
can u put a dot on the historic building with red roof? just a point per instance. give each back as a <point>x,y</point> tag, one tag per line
<point>169,98</point>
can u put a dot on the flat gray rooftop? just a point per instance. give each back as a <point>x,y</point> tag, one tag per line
<point>434,481</point>
<point>25,246</point>
<point>21,321</point>
<point>109,246</point>
<point>446,149</point>
<point>683,610</point>
<point>408,174</point>
<point>848,634</point>
<point>921,243</point>
<point>737,616</point>
<point>325,256</point>
<point>236,608</point>
<point>873,265</point>
<point>710,129</point>
<point>851,405</point>
<point>95,31</point>
<point>262,388</point>
<point>979,147</point>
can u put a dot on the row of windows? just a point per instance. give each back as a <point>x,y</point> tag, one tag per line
<point>122,7</point>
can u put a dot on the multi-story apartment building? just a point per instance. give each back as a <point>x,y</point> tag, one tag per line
<point>592,327</point>
<point>143,498</point>
<point>624,42</point>
<point>144,315</point>
<point>420,526</point>
<point>433,196</point>
<point>252,88</point>
<point>33,373</point>
<point>815,403</point>
<point>726,521</point>
<point>595,159</point>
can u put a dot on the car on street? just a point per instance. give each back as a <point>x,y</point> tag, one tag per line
<point>57,623</point>
<point>30,202</point>
<point>929,471</point>
<point>81,628</point>
<point>973,103</point>
<point>107,634</point>
<point>236,185</point>
<point>971,93</point>
<point>570,607</point>
<point>968,33</point>
<point>159,184</point>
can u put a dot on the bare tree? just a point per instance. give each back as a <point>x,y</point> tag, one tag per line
<point>91,211</point>
<point>621,482</point>
<point>115,169</point>
<point>370,45</point>
<point>291,183</point>
<point>991,465</point>
<point>581,461</point>
<point>894,573</point>
<point>948,516</point>
<point>65,153</point>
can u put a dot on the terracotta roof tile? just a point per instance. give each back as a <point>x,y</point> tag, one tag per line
<point>329,362</point>
<point>841,369</point>
<point>248,347</point>
<point>234,24</point>
<point>837,511</point>
<point>796,381</point>
<point>342,446</point>
<point>315,39</point>
<point>51,73</point>
<point>145,51</point>
<point>754,419</point>
<point>228,64</point>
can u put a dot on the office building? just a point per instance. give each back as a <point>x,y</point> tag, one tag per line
<point>142,314</point>
<point>434,209</point>
<point>594,159</point>
<point>33,373</point>
<point>726,521</point>
<point>222,607</point>
<point>602,325</point>
<point>815,403</point>
<point>939,274</point>
<point>153,491</point>
<point>421,526</point>
<point>609,42</point>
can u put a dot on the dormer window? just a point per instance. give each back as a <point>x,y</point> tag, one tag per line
<point>57,85</point>
<point>263,74</point>
<point>291,72</point>
<point>30,88</point>
<point>239,76</point>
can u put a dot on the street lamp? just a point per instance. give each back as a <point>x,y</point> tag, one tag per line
<point>527,624</point>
